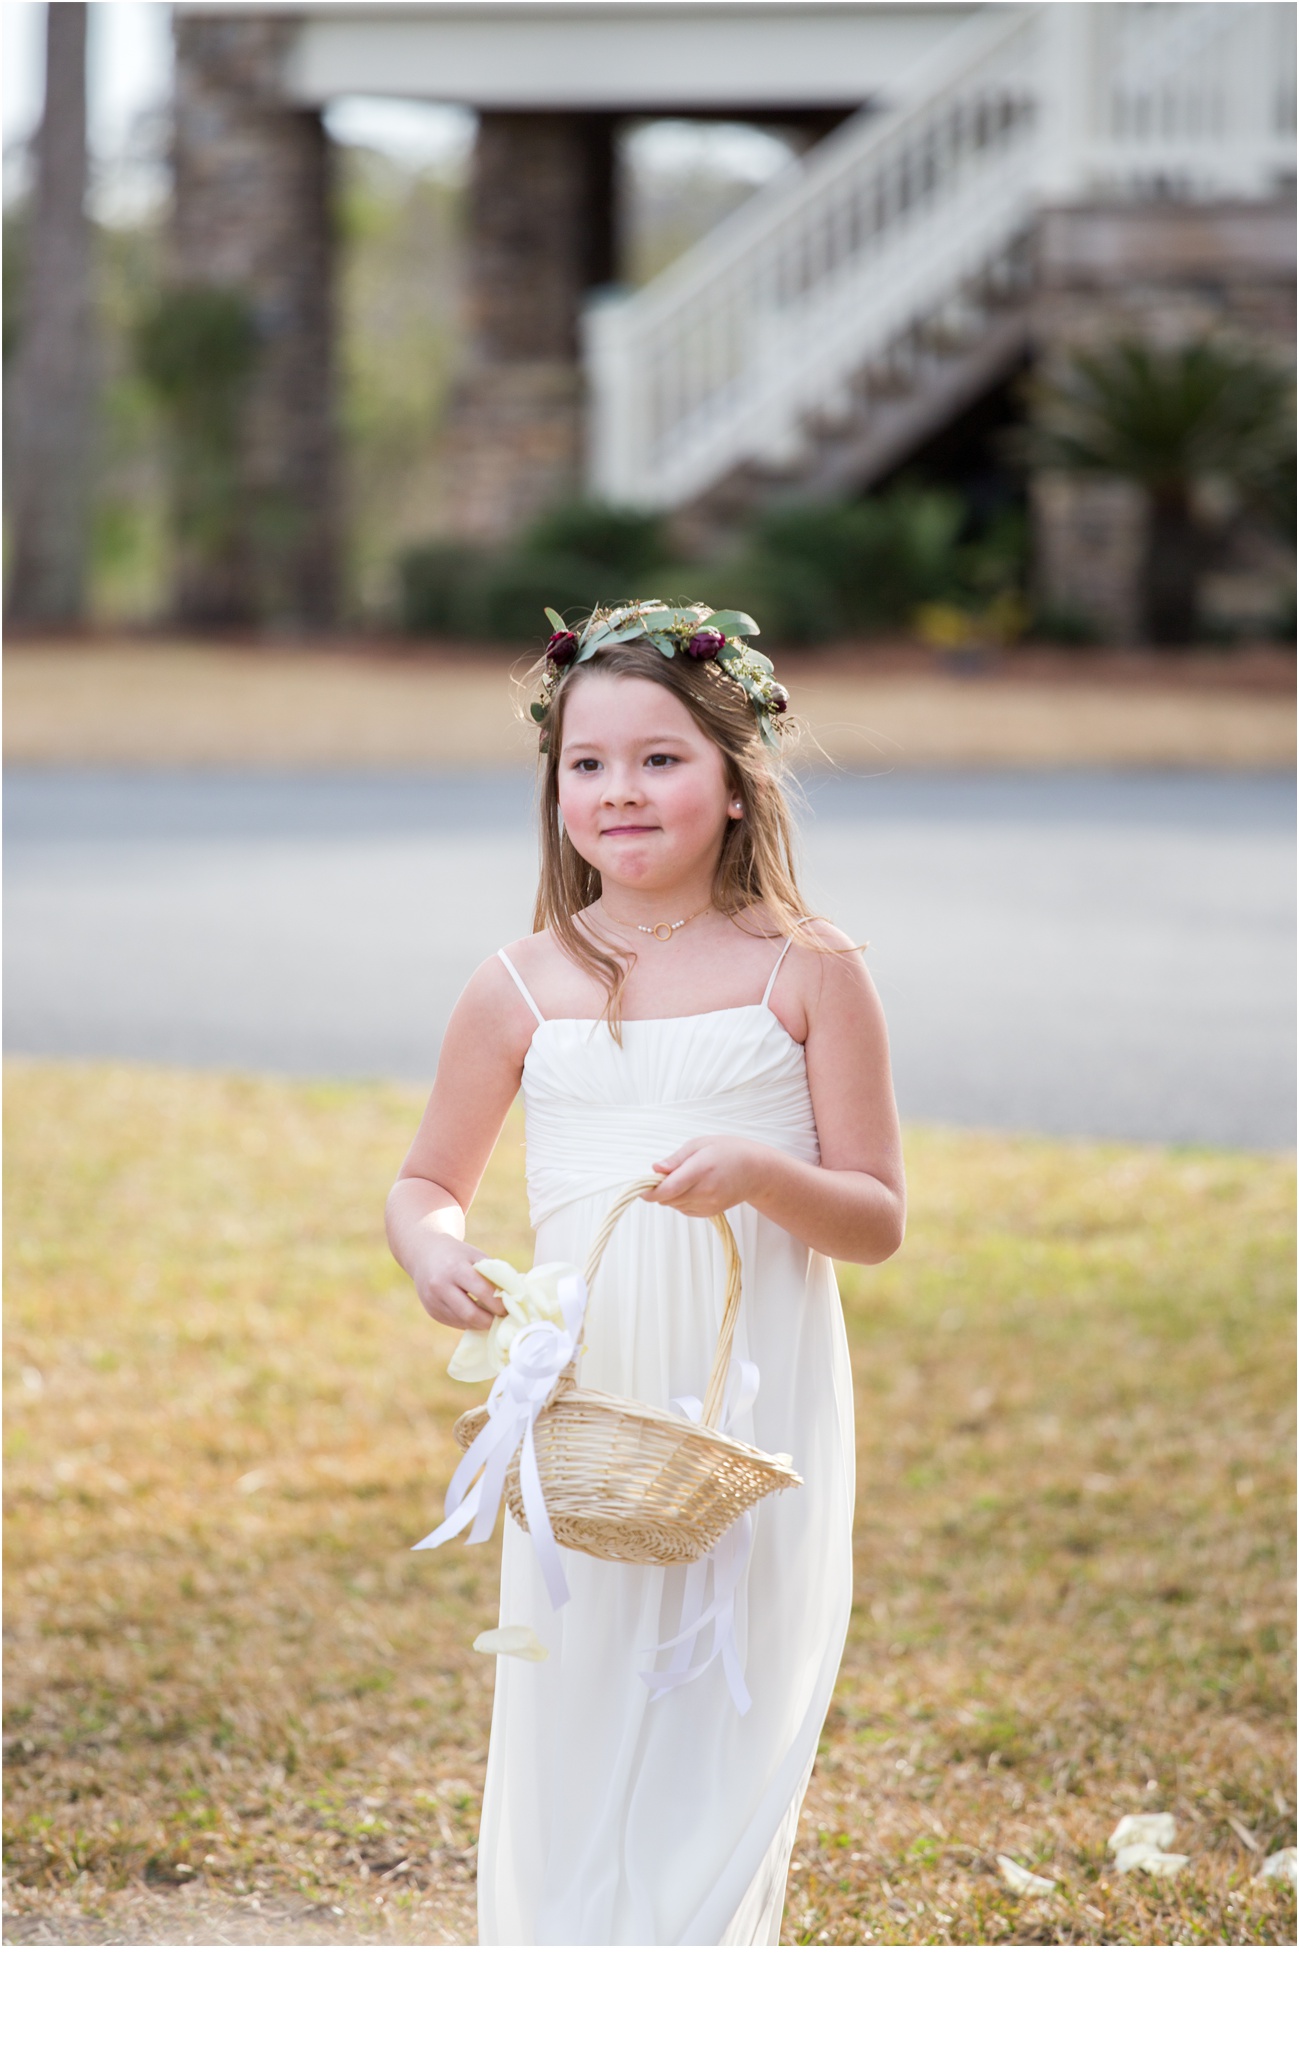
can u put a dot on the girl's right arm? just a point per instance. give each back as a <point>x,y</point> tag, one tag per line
<point>478,1075</point>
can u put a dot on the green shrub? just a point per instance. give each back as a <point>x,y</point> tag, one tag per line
<point>866,567</point>
<point>789,597</point>
<point>810,572</point>
<point>469,593</point>
<point>1064,625</point>
<point>196,348</point>
<point>516,588</point>
<point>615,540</point>
<point>438,589</point>
<point>573,557</point>
<point>806,571</point>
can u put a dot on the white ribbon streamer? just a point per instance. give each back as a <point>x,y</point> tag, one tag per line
<point>537,1357</point>
<point>727,1562</point>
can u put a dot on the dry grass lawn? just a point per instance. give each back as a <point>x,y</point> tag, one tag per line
<point>176,703</point>
<point>241,1711</point>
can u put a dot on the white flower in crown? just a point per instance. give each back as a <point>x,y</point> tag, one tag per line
<point>529,1298</point>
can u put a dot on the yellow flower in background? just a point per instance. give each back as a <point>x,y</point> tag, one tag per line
<point>531,1297</point>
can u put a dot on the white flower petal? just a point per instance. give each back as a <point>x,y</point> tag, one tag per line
<point>502,1335</point>
<point>1026,1882</point>
<point>1155,1862</point>
<point>535,1294</point>
<point>471,1359</point>
<point>528,1297</point>
<point>1279,1868</point>
<point>501,1274</point>
<point>540,1290</point>
<point>513,1641</point>
<point>1151,1830</point>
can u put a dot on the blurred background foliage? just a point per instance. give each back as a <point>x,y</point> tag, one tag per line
<point>807,571</point>
<point>195,347</point>
<point>943,551</point>
<point>400,288</point>
<point>1205,430</point>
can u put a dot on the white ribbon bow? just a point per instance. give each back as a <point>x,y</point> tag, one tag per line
<point>537,1357</point>
<point>727,1561</point>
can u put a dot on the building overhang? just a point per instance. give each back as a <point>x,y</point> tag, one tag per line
<point>742,58</point>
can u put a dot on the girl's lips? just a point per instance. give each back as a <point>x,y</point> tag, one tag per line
<point>625,831</point>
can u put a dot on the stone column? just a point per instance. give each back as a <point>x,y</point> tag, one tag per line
<point>541,234</point>
<point>252,214</point>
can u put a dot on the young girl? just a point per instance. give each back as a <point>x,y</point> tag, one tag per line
<point>676,1011</point>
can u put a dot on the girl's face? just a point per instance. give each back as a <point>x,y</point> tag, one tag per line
<point>643,791</point>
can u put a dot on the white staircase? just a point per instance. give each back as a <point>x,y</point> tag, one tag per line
<point>853,307</point>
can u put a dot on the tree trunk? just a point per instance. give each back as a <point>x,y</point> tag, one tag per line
<point>1171,571</point>
<point>52,384</point>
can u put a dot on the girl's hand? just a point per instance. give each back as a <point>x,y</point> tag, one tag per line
<point>706,1175</point>
<point>449,1288</point>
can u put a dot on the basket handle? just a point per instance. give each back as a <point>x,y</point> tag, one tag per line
<point>715,1396</point>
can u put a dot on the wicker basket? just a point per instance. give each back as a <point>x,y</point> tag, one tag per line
<point>631,1483</point>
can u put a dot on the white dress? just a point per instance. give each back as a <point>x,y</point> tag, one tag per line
<point>609,1818</point>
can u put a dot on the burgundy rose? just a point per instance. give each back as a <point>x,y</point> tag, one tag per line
<point>561,648</point>
<point>706,644</point>
<point>777,698</point>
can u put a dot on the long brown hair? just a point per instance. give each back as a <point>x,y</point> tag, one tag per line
<point>756,867</point>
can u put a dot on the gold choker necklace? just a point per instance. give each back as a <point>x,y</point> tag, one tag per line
<point>662,931</point>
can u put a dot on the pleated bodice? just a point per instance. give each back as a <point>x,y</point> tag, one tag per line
<point>599,1114</point>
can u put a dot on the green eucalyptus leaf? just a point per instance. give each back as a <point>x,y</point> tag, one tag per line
<point>767,729</point>
<point>556,621</point>
<point>728,623</point>
<point>624,633</point>
<point>656,620</point>
<point>762,661</point>
<point>661,641</point>
<point>538,711</point>
<point>594,641</point>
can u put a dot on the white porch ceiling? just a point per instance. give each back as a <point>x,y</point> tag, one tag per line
<point>613,54</point>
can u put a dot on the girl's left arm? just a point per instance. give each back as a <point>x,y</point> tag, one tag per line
<point>853,1205</point>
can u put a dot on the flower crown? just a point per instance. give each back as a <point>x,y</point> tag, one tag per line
<point>691,630</point>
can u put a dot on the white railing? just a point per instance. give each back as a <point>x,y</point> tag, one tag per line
<point>1193,100</point>
<point>897,222</point>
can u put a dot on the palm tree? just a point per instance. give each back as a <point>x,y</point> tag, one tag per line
<point>52,397</point>
<point>1171,421</point>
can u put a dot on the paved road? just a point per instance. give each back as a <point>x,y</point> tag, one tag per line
<point>1091,954</point>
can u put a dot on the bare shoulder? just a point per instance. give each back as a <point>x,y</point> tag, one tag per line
<point>537,951</point>
<point>831,963</point>
<point>491,1011</point>
<point>831,981</point>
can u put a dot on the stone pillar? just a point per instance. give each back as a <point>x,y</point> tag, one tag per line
<point>1168,272</point>
<point>541,235</point>
<point>252,214</point>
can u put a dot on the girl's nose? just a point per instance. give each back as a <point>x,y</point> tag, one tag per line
<point>621,788</point>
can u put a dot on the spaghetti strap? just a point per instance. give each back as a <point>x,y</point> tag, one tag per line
<point>521,984</point>
<point>766,998</point>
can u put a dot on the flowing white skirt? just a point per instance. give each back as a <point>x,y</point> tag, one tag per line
<point>612,1819</point>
